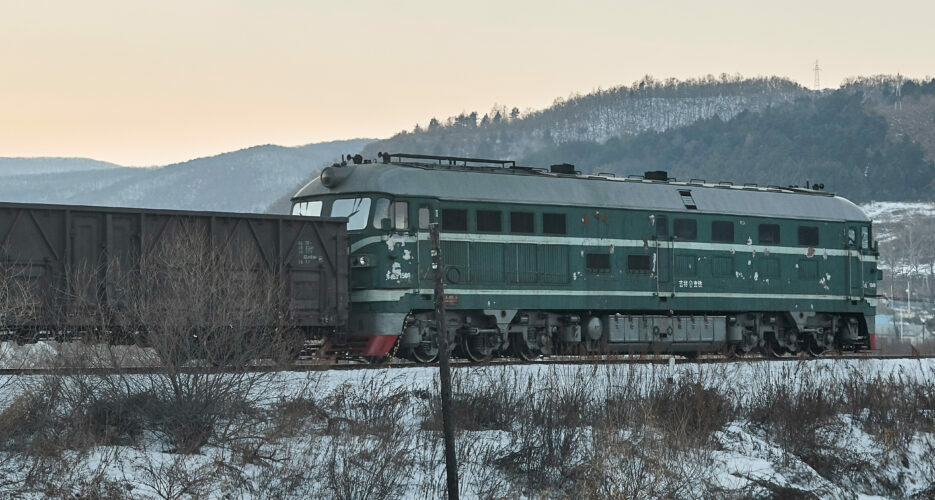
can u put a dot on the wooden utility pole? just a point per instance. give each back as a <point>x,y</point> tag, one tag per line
<point>451,461</point>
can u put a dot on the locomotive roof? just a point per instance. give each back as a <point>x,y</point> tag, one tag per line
<point>535,186</point>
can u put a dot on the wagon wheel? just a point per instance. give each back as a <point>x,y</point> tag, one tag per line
<point>476,348</point>
<point>286,349</point>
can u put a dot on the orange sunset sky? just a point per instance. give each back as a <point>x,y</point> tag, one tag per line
<point>146,83</point>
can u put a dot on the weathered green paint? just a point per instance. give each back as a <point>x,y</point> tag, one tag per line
<point>549,272</point>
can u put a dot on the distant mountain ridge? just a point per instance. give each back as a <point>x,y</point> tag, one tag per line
<point>46,165</point>
<point>248,180</point>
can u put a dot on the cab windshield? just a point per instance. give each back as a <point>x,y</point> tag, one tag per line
<point>357,211</point>
<point>307,208</point>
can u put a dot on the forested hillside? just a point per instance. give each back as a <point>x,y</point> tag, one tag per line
<point>647,105</point>
<point>837,139</point>
<point>872,139</point>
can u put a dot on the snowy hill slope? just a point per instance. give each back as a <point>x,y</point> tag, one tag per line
<point>647,105</point>
<point>249,180</point>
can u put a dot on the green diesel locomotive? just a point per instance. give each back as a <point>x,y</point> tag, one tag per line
<point>541,261</point>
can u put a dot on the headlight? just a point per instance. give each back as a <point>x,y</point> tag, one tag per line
<point>361,261</point>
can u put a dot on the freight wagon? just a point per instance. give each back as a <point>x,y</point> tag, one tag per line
<point>71,259</point>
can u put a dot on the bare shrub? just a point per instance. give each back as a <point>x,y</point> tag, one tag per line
<point>547,444</point>
<point>643,463</point>
<point>482,399</point>
<point>372,405</point>
<point>19,301</point>
<point>285,470</point>
<point>368,467</point>
<point>190,300</point>
<point>792,407</point>
<point>686,409</point>
<point>178,476</point>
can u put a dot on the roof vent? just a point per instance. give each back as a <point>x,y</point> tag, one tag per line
<point>687,199</point>
<point>656,175</point>
<point>563,168</point>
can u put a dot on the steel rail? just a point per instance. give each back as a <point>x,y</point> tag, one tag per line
<point>312,366</point>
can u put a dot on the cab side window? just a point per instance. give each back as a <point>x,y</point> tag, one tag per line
<point>424,218</point>
<point>396,211</point>
<point>662,226</point>
<point>401,215</point>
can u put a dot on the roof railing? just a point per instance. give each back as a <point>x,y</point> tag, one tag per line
<point>453,161</point>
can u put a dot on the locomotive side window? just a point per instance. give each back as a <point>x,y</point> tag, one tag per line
<point>423,217</point>
<point>357,211</point>
<point>381,210</point>
<point>639,264</point>
<point>769,234</point>
<point>722,231</point>
<point>397,212</point>
<point>454,219</point>
<point>686,229</point>
<point>489,221</point>
<point>401,215</point>
<point>808,236</point>
<point>521,222</point>
<point>662,226</point>
<point>597,262</point>
<point>553,223</point>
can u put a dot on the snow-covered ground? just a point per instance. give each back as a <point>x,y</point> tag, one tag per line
<point>554,430</point>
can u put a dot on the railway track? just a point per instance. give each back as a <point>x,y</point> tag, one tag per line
<point>318,365</point>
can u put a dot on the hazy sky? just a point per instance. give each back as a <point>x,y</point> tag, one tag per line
<point>145,83</point>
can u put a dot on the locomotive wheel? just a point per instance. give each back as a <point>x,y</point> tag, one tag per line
<point>772,349</point>
<point>425,353</point>
<point>522,351</point>
<point>814,348</point>
<point>475,348</point>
